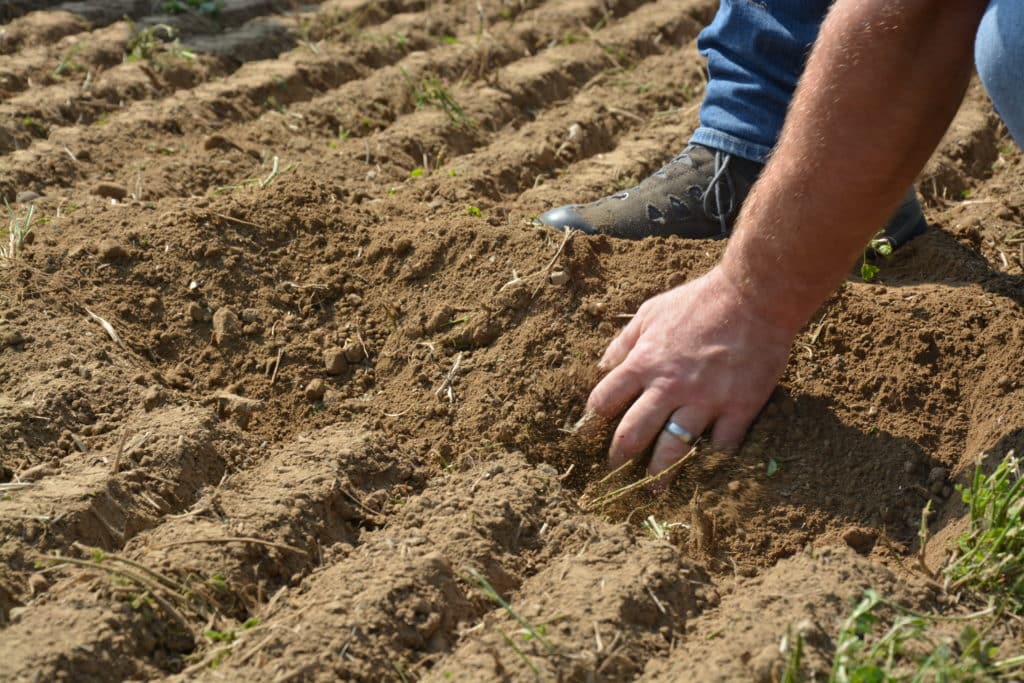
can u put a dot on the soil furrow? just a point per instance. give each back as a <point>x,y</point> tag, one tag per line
<point>396,602</point>
<point>601,613</point>
<point>247,93</point>
<point>305,498</point>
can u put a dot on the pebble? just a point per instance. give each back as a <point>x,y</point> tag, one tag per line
<point>558,278</point>
<point>937,475</point>
<point>315,390</point>
<point>26,197</point>
<point>334,360</point>
<point>111,250</point>
<point>225,325</point>
<point>250,315</point>
<point>110,190</point>
<point>198,313</point>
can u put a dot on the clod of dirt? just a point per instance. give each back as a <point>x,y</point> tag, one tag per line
<point>219,142</point>
<point>110,190</point>
<point>226,325</point>
<point>12,338</point>
<point>111,250</point>
<point>238,408</point>
<point>354,353</point>
<point>152,398</point>
<point>334,360</point>
<point>197,313</point>
<point>315,390</point>
<point>860,539</point>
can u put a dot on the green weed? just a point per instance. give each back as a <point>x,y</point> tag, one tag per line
<point>909,649</point>
<point>990,554</point>
<point>416,172</point>
<point>474,211</point>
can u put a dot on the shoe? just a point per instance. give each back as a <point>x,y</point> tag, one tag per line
<point>696,195</point>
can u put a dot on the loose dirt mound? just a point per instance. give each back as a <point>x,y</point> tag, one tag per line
<point>287,375</point>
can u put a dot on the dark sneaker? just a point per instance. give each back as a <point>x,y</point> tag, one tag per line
<point>696,195</point>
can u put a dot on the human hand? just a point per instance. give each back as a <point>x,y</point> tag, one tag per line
<point>699,355</point>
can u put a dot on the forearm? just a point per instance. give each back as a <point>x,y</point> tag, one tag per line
<point>882,84</point>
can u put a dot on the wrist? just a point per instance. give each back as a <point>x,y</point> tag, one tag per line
<point>766,291</point>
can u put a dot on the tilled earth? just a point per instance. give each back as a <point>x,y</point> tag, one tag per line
<point>334,405</point>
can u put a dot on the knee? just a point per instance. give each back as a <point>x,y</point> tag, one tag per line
<point>999,49</point>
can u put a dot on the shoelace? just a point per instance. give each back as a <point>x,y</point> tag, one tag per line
<point>718,211</point>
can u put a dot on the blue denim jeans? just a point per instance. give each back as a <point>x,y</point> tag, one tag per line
<point>756,50</point>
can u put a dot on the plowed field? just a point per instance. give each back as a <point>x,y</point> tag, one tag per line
<point>289,377</point>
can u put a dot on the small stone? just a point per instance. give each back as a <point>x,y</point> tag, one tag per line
<point>354,352</point>
<point>334,360</point>
<point>110,190</point>
<point>315,390</point>
<point>558,277</point>
<point>152,398</point>
<point>403,246</point>
<point>13,338</point>
<point>225,325</point>
<point>110,250</point>
<point>198,313</point>
<point>26,197</point>
<point>937,475</point>
<point>250,315</point>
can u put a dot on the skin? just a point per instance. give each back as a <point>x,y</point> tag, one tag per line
<point>881,86</point>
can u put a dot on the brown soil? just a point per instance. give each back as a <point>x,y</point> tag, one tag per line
<point>342,390</point>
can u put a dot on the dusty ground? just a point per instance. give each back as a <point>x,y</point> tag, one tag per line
<point>363,372</point>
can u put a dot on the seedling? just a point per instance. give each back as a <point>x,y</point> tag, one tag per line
<point>67,63</point>
<point>416,173</point>
<point>474,211</point>
<point>18,230</point>
<point>530,632</point>
<point>661,530</point>
<point>144,44</point>
<point>429,91</point>
<point>878,245</point>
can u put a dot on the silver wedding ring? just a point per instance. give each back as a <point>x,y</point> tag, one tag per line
<point>678,432</point>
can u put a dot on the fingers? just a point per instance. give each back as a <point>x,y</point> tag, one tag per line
<point>729,431</point>
<point>670,448</point>
<point>621,345</point>
<point>639,427</point>
<point>613,392</point>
